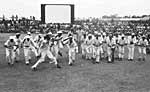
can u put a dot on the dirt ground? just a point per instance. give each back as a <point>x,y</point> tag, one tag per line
<point>83,76</point>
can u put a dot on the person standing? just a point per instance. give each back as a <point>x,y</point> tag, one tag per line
<point>104,45</point>
<point>97,46</point>
<point>45,51</point>
<point>142,43</point>
<point>38,40</point>
<point>57,44</point>
<point>32,48</point>
<point>121,44</point>
<point>111,48</point>
<point>11,48</point>
<point>83,45</point>
<point>18,43</point>
<point>131,46</point>
<point>101,45</point>
<point>27,45</point>
<point>72,49</point>
<point>89,47</point>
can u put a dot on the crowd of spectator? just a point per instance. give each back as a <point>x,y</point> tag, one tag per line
<point>23,25</point>
<point>116,26</point>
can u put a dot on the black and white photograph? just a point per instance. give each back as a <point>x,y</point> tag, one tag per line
<point>75,46</point>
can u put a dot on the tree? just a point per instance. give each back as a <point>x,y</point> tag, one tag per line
<point>12,17</point>
<point>105,16</point>
<point>3,16</point>
<point>33,18</point>
<point>133,16</point>
<point>16,17</point>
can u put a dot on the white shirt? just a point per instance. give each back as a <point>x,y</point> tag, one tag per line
<point>28,43</point>
<point>10,45</point>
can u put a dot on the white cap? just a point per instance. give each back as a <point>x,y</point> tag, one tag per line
<point>28,33</point>
<point>69,32</point>
<point>37,32</point>
<point>143,36</point>
<point>49,33</point>
<point>86,32</point>
<point>40,34</point>
<point>99,33</point>
<point>122,35</point>
<point>26,37</point>
<point>104,33</point>
<point>59,32</point>
<point>95,32</point>
<point>44,41</point>
<point>133,34</point>
<point>89,34</point>
<point>17,33</point>
<point>11,37</point>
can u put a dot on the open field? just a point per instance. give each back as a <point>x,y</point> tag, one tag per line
<point>122,76</point>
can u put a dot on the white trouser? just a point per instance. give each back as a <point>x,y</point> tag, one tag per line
<point>27,54</point>
<point>55,50</point>
<point>89,50</point>
<point>10,55</point>
<point>45,53</point>
<point>121,52</point>
<point>83,49</point>
<point>97,53</point>
<point>17,54</point>
<point>94,52</point>
<point>109,53</point>
<point>35,51</point>
<point>77,49</point>
<point>101,49</point>
<point>104,47</point>
<point>60,45</point>
<point>117,50</point>
<point>72,53</point>
<point>131,51</point>
<point>142,52</point>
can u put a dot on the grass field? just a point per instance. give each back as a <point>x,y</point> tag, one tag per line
<point>122,76</point>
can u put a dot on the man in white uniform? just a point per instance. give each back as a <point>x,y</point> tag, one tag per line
<point>131,46</point>
<point>121,43</point>
<point>45,51</point>
<point>104,45</point>
<point>101,45</point>
<point>97,46</point>
<point>143,43</point>
<point>32,48</point>
<point>72,49</point>
<point>111,44</point>
<point>116,38</point>
<point>28,44</point>
<point>83,45</point>
<point>38,40</point>
<point>11,47</point>
<point>18,42</point>
<point>57,44</point>
<point>89,47</point>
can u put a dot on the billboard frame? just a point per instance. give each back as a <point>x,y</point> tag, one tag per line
<point>43,11</point>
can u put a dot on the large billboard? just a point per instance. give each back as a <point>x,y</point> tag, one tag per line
<point>57,13</point>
